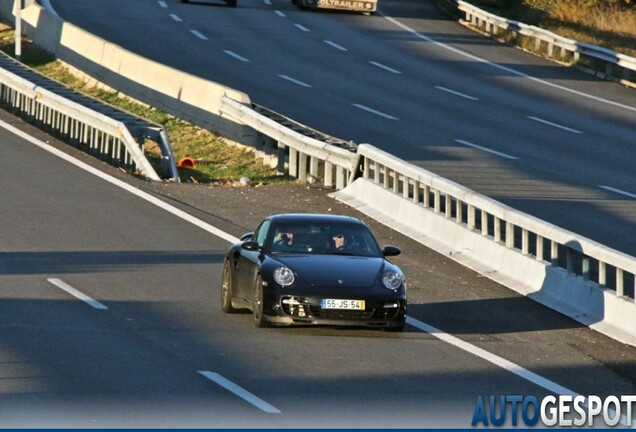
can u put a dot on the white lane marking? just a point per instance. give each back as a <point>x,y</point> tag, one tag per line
<point>199,35</point>
<point>372,111</point>
<point>456,93</point>
<point>236,56</point>
<point>486,149</point>
<point>302,27</point>
<point>556,125</point>
<point>240,392</point>
<point>279,13</point>
<point>176,17</point>
<point>504,68</point>
<point>123,185</point>
<point>491,358</point>
<point>386,68</point>
<point>335,45</point>
<point>163,4</point>
<point>267,2</point>
<point>295,81</point>
<point>80,295</point>
<point>618,191</point>
<point>48,6</point>
<point>501,362</point>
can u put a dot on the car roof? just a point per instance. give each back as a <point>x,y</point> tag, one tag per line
<point>313,217</point>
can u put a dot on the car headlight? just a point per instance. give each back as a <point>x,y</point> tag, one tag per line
<point>392,279</point>
<point>284,276</point>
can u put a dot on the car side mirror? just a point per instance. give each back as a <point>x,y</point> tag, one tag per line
<point>247,235</point>
<point>251,246</point>
<point>391,251</point>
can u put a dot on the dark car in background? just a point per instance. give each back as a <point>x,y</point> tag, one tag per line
<point>313,269</point>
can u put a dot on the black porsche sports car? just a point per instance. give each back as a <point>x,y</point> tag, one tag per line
<point>297,269</point>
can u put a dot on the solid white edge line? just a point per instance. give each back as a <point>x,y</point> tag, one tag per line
<point>486,149</point>
<point>78,294</point>
<point>556,125</point>
<point>119,183</point>
<point>500,362</point>
<point>618,191</point>
<point>456,93</point>
<point>372,111</point>
<point>240,392</point>
<point>504,68</point>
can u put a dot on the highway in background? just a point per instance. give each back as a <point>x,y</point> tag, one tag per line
<point>110,317</point>
<point>545,139</point>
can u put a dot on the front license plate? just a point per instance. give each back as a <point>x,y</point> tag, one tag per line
<point>343,304</point>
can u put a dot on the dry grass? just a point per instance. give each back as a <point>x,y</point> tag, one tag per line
<point>602,25</point>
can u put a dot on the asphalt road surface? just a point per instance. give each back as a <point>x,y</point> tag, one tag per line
<point>545,139</point>
<point>110,316</point>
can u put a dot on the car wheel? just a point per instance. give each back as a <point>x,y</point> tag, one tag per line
<point>396,329</point>
<point>231,3</point>
<point>226,288</point>
<point>258,305</point>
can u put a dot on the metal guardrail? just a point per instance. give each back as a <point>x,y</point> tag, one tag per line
<point>518,231</point>
<point>105,131</point>
<point>614,65</point>
<point>310,154</point>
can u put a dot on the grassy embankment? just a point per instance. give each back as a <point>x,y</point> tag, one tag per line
<point>217,162</point>
<point>606,23</point>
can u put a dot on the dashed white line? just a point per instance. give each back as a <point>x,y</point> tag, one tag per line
<point>267,2</point>
<point>372,111</point>
<point>618,191</point>
<point>236,56</point>
<point>240,392</point>
<point>302,27</point>
<point>295,81</point>
<point>279,13</point>
<point>456,93</point>
<point>163,4</point>
<point>75,293</point>
<point>556,125</point>
<point>176,18</point>
<point>198,34</point>
<point>335,45</point>
<point>386,68</point>
<point>486,149</point>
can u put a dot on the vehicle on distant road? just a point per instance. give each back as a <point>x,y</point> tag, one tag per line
<point>230,3</point>
<point>312,269</point>
<point>367,7</point>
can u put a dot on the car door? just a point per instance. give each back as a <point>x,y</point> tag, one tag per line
<point>249,263</point>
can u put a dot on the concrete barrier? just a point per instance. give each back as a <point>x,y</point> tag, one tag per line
<point>181,94</point>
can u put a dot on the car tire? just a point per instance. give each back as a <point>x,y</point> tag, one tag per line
<point>396,329</point>
<point>231,3</point>
<point>258,317</point>
<point>226,288</point>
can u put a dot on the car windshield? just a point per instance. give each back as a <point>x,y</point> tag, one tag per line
<point>324,239</point>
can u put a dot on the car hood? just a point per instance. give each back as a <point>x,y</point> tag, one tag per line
<point>334,270</point>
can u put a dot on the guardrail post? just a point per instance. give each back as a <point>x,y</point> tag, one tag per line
<point>280,166</point>
<point>484,223</point>
<point>328,180</point>
<point>510,235</point>
<point>620,282</point>
<point>602,273</point>
<point>554,253</point>
<point>302,166</point>
<point>293,162</point>
<point>539,248</point>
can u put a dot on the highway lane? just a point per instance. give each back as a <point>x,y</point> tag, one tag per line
<point>134,358</point>
<point>550,141</point>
